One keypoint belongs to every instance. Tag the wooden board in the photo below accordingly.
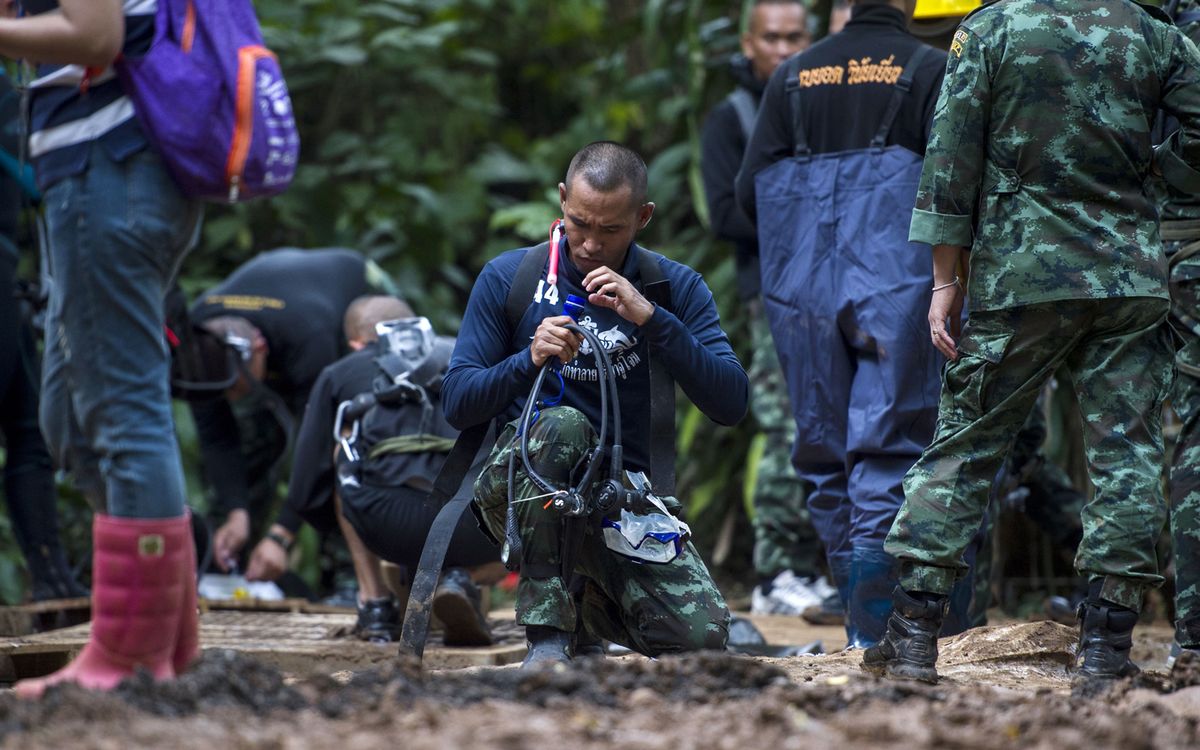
(295, 643)
(36, 617)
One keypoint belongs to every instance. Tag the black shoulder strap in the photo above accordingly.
(791, 89)
(746, 109)
(525, 280)
(420, 597)
(657, 288)
(902, 87)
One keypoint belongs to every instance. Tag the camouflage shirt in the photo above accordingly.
(1040, 156)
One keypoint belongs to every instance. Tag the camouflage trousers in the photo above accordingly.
(1183, 249)
(652, 609)
(1117, 356)
(784, 537)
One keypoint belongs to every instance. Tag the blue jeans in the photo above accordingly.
(118, 233)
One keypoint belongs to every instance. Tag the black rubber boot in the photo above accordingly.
(458, 604)
(547, 646)
(378, 620)
(1105, 639)
(908, 650)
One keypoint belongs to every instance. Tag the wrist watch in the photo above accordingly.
(279, 539)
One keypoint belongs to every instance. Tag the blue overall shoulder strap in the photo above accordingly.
(791, 89)
(902, 87)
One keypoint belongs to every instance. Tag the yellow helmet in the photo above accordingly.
(944, 8)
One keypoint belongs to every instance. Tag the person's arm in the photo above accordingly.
(221, 452)
(721, 146)
(1178, 159)
(225, 469)
(697, 353)
(313, 473)
(81, 32)
(954, 159)
(485, 377)
(770, 142)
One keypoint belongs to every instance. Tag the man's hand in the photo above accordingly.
(607, 288)
(946, 308)
(230, 538)
(552, 340)
(269, 559)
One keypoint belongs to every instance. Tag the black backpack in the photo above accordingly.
(398, 434)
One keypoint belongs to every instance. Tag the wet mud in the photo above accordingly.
(1003, 687)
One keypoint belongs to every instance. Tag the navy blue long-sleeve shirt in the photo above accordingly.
(491, 371)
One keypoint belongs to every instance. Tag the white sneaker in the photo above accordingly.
(823, 587)
(789, 595)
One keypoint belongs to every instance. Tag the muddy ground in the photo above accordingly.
(1003, 687)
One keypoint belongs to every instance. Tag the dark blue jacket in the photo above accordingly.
(491, 371)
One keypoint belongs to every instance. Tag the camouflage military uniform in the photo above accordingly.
(1181, 239)
(784, 537)
(652, 609)
(1039, 163)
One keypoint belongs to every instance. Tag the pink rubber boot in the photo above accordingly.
(138, 583)
(187, 648)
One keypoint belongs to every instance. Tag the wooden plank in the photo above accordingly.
(271, 605)
(35, 617)
(295, 643)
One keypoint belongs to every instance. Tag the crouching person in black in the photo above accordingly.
(383, 404)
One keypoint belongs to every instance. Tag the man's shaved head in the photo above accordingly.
(606, 167)
(364, 312)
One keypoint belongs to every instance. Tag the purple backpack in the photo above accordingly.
(212, 99)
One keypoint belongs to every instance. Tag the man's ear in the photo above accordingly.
(562, 197)
(644, 214)
(747, 49)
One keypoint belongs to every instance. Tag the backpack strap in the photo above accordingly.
(746, 108)
(657, 289)
(791, 89)
(531, 268)
(901, 89)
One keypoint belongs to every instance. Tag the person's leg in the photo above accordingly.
(652, 609)
(117, 234)
(559, 439)
(1185, 464)
(784, 537)
(1004, 357)
(1122, 375)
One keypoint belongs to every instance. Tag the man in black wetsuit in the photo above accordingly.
(281, 312)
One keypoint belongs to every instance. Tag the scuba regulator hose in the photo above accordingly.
(572, 501)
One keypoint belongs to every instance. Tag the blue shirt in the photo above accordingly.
(491, 371)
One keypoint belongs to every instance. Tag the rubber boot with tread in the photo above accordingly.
(908, 649)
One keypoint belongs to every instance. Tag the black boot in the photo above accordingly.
(909, 647)
(547, 645)
(458, 604)
(1105, 639)
(378, 620)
